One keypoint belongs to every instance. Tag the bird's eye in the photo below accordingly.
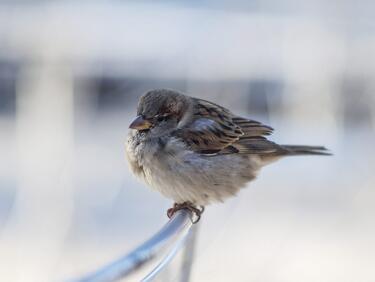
(161, 118)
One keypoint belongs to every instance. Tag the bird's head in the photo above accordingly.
(160, 111)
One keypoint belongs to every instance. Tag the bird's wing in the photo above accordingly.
(254, 141)
(215, 130)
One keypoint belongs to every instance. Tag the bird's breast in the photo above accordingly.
(183, 175)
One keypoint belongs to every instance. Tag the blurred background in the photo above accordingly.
(71, 73)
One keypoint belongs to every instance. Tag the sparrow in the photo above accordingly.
(196, 152)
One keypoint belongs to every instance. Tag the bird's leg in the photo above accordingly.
(197, 210)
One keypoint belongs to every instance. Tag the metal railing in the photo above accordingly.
(162, 247)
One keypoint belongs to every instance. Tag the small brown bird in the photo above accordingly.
(196, 152)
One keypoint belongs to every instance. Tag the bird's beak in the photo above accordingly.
(140, 123)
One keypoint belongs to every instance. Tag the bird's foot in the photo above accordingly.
(196, 210)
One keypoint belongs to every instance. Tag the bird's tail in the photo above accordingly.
(295, 150)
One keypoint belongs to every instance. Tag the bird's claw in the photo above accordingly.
(196, 210)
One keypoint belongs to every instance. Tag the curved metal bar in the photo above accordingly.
(172, 235)
(185, 245)
(166, 260)
(189, 254)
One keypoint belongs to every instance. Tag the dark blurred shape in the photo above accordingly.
(355, 104)
(8, 76)
(113, 93)
(122, 93)
(262, 93)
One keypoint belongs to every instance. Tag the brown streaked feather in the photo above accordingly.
(215, 130)
(260, 146)
(211, 128)
(252, 127)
